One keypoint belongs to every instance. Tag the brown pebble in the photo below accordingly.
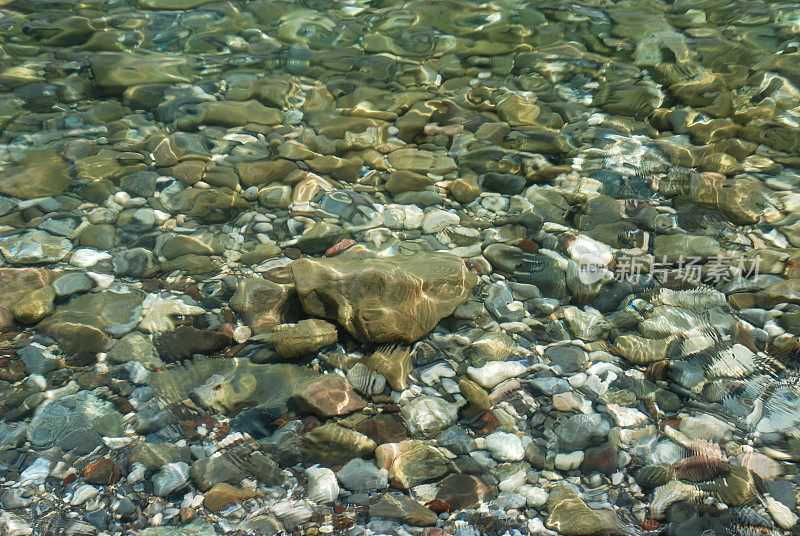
(122, 405)
(102, 472)
(293, 253)
(194, 292)
(9, 334)
(657, 371)
(438, 506)
(226, 329)
(150, 285)
(339, 247)
(223, 495)
(433, 531)
(673, 423)
(13, 371)
(187, 513)
(742, 300)
(6, 319)
(233, 350)
(601, 459)
(527, 245)
(487, 423)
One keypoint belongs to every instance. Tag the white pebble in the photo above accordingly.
(536, 497)
(36, 473)
(569, 461)
(505, 447)
(432, 374)
(85, 257)
(494, 372)
(83, 494)
(438, 220)
(101, 281)
(513, 482)
(322, 486)
(783, 516)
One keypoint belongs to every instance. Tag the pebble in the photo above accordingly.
(569, 461)
(86, 258)
(83, 494)
(535, 497)
(505, 447)
(322, 486)
(494, 372)
(70, 284)
(35, 473)
(170, 478)
(361, 475)
(438, 220)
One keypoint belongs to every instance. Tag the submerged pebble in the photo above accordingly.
(441, 269)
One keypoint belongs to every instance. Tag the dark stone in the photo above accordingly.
(569, 358)
(456, 440)
(102, 236)
(141, 183)
(541, 270)
(602, 459)
(613, 292)
(137, 263)
(256, 421)
(531, 221)
(37, 360)
(98, 518)
(504, 183)
(550, 385)
(579, 431)
(681, 512)
(186, 341)
(72, 283)
(126, 508)
(783, 491)
(319, 238)
(383, 428)
(465, 491)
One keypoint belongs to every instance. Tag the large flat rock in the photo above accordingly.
(389, 299)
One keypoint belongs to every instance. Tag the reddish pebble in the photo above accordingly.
(13, 371)
(293, 253)
(528, 246)
(487, 423)
(433, 531)
(651, 525)
(339, 247)
(438, 506)
(122, 405)
(226, 329)
(102, 472)
(673, 423)
(194, 292)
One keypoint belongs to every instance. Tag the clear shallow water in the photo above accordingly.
(580, 158)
